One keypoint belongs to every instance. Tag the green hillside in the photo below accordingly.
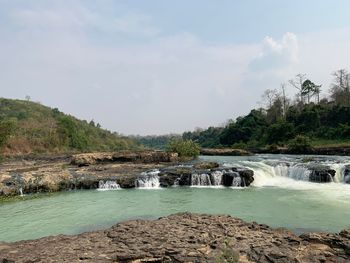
(29, 127)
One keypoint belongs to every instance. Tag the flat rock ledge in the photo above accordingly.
(183, 237)
(224, 152)
(85, 159)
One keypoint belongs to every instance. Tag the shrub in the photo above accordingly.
(227, 255)
(184, 148)
(7, 128)
(300, 144)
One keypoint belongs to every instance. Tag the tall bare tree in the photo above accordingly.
(269, 97)
(297, 83)
(284, 100)
(340, 88)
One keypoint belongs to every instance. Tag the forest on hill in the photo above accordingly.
(29, 127)
(319, 121)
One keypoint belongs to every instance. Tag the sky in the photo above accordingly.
(158, 67)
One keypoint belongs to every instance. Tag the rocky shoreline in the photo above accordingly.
(129, 170)
(183, 237)
(121, 169)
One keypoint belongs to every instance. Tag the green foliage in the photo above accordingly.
(324, 121)
(156, 142)
(300, 144)
(42, 129)
(279, 132)
(7, 128)
(185, 148)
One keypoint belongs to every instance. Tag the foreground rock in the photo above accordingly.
(224, 152)
(183, 238)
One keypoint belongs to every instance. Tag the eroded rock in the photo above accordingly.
(183, 237)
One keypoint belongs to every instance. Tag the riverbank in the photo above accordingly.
(183, 237)
(341, 150)
(26, 175)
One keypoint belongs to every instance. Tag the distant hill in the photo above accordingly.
(29, 127)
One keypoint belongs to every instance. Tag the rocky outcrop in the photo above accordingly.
(205, 174)
(86, 159)
(321, 174)
(37, 176)
(184, 237)
(206, 165)
(17, 177)
(224, 151)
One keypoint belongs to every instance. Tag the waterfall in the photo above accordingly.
(294, 171)
(216, 178)
(200, 179)
(339, 172)
(149, 179)
(108, 185)
(21, 191)
(237, 181)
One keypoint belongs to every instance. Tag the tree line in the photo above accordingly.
(282, 118)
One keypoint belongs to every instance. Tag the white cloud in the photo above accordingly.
(277, 55)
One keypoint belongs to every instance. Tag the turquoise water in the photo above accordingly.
(281, 202)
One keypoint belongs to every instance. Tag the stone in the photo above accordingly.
(166, 240)
(321, 174)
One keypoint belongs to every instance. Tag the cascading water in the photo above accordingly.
(216, 178)
(149, 179)
(289, 172)
(237, 181)
(200, 179)
(108, 185)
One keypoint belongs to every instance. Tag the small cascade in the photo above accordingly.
(339, 172)
(148, 180)
(216, 178)
(237, 181)
(108, 185)
(200, 180)
(21, 191)
(294, 171)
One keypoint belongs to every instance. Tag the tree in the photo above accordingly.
(186, 148)
(298, 84)
(340, 89)
(309, 89)
(285, 100)
(269, 96)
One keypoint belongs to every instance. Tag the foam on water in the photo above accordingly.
(108, 185)
(148, 180)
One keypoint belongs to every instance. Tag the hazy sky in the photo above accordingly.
(153, 67)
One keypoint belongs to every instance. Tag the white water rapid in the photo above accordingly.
(108, 185)
(148, 180)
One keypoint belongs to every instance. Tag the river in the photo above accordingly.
(280, 196)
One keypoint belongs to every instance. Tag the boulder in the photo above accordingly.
(347, 174)
(321, 174)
